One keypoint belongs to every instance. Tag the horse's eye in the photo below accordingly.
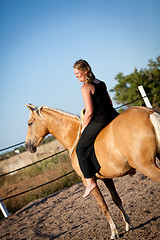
(29, 124)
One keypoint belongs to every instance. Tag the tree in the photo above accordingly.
(126, 90)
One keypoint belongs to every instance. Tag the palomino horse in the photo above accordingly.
(131, 141)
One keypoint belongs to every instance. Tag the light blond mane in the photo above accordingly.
(61, 112)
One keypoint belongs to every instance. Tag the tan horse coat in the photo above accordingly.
(131, 141)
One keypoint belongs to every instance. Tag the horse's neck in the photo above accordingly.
(63, 126)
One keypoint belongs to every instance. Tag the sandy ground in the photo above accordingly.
(66, 215)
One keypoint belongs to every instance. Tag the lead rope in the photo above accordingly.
(77, 139)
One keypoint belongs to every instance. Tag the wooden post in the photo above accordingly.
(4, 209)
(145, 98)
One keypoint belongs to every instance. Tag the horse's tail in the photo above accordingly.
(155, 119)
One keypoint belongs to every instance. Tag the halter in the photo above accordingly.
(77, 139)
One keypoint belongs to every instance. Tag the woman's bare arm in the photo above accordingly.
(88, 103)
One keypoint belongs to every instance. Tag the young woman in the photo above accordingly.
(98, 113)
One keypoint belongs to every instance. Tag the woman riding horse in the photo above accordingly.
(98, 113)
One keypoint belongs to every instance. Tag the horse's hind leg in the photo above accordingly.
(150, 170)
(143, 152)
(116, 199)
(145, 162)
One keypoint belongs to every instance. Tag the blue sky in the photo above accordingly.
(41, 39)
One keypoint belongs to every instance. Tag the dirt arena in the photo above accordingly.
(66, 215)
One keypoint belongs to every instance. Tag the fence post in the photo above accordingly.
(4, 209)
(144, 96)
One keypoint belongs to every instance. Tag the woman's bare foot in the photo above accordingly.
(90, 185)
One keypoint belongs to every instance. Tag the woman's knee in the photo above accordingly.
(80, 149)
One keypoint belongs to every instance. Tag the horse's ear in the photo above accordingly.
(30, 107)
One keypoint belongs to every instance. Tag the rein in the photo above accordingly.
(76, 141)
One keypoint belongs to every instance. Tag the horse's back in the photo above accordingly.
(133, 121)
(128, 134)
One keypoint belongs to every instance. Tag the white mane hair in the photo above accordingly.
(57, 110)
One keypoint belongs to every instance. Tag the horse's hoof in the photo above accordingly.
(115, 236)
(129, 227)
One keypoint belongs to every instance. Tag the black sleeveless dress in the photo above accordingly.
(103, 114)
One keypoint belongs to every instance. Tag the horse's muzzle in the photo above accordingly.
(30, 147)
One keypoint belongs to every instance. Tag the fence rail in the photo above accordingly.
(15, 145)
(18, 194)
(2, 175)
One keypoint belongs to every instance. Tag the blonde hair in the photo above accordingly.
(84, 66)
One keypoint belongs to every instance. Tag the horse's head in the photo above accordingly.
(37, 128)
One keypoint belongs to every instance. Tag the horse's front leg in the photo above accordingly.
(98, 196)
(116, 199)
